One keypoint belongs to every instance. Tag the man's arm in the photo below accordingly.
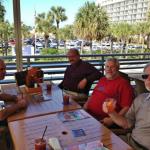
(8, 97)
(120, 120)
(92, 74)
(108, 120)
(4, 113)
(117, 118)
(82, 84)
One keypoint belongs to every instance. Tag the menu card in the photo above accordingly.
(94, 145)
(72, 115)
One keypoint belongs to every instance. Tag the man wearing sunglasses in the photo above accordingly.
(137, 118)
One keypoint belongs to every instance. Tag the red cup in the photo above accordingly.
(66, 99)
(40, 144)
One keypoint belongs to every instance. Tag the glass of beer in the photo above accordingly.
(110, 104)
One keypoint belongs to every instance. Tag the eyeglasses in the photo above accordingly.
(145, 76)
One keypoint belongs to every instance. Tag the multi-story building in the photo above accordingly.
(126, 10)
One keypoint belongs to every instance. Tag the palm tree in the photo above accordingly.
(141, 29)
(66, 33)
(148, 35)
(44, 24)
(2, 12)
(122, 31)
(25, 30)
(91, 23)
(6, 31)
(58, 14)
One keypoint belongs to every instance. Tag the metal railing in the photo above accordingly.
(54, 70)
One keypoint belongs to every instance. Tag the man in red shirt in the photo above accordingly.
(113, 85)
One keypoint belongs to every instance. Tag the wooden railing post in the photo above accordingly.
(102, 64)
(28, 62)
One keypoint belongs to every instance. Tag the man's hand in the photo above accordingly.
(107, 121)
(82, 83)
(109, 105)
(22, 102)
(86, 104)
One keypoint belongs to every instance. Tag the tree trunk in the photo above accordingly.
(46, 40)
(57, 34)
(91, 46)
(82, 47)
(148, 41)
(111, 46)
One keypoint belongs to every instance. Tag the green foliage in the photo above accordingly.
(58, 14)
(49, 51)
(44, 24)
(91, 22)
(121, 30)
(2, 12)
(66, 33)
(25, 30)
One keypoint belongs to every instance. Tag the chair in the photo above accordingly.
(121, 131)
(140, 87)
(20, 77)
(125, 76)
(5, 139)
(3, 143)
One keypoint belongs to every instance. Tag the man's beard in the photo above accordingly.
(109, 76)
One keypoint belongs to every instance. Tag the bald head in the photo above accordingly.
(73, 56)
(2, 69)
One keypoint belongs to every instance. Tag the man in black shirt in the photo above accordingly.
(78, 77)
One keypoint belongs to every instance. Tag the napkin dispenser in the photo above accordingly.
(33, 79)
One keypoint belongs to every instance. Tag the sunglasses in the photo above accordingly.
(145, 76)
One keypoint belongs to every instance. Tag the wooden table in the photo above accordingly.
(10, 89)
(38, 107)
(24, 132)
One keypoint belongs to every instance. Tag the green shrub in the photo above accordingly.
(49, 51)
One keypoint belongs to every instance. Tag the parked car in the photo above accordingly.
(53, 45)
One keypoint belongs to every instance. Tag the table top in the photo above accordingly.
(24, 132)
(37, 106)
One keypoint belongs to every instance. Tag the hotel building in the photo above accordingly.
(126, 10)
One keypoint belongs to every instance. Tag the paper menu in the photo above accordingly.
(94, 145)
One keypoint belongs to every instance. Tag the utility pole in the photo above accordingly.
(34, 31)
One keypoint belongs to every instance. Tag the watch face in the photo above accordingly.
(2, 105)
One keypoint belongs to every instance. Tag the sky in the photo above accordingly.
(28, 8)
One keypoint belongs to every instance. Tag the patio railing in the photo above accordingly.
(54, 70)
